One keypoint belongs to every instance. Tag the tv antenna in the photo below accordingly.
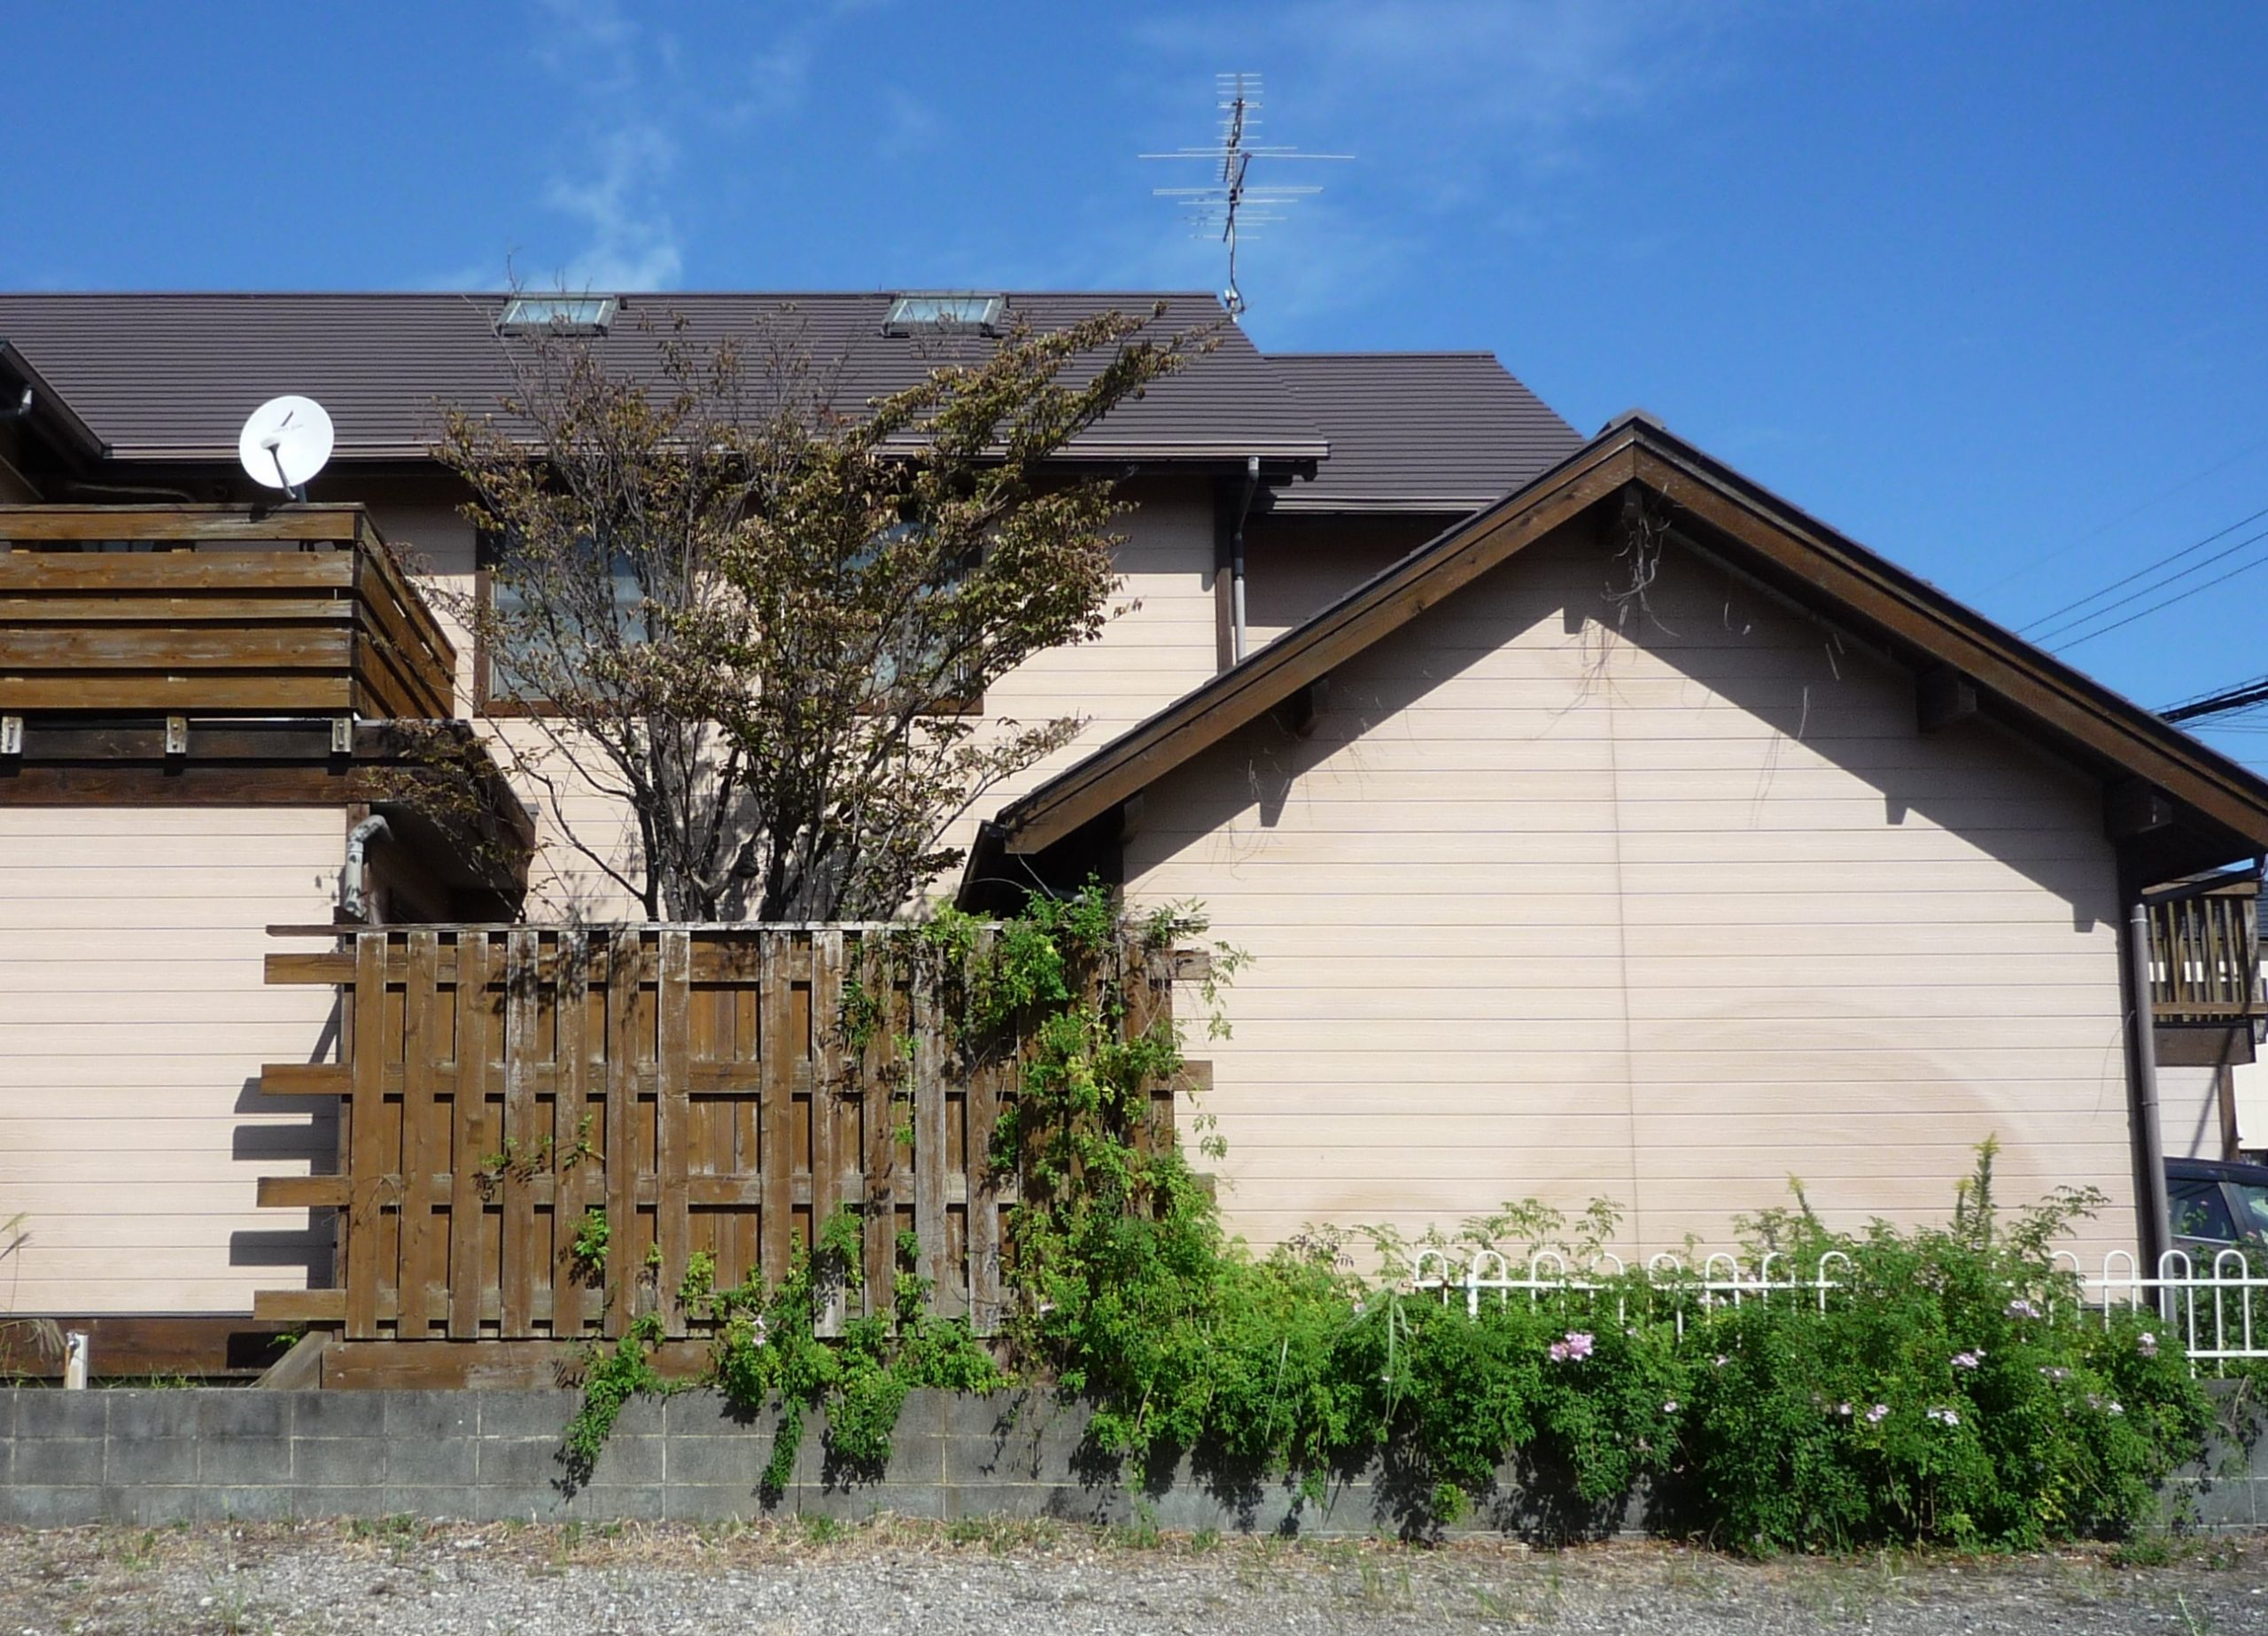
(286, 442)
(1231, 203)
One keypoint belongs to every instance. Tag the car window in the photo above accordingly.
(2251, 1209)
(2199, 1211)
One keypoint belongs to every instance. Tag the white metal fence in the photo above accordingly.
(2219, 1312)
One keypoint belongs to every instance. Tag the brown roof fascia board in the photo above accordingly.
(1246, 691)
(50, 410)
(1810, 562)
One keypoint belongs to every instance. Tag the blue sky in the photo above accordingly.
(1984, 285)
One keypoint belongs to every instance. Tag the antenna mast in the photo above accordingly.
(1230, 205)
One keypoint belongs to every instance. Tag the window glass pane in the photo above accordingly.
(504, 681)
(942, 309)
(2199, 1211)
(594, 312)
(2251, 1210)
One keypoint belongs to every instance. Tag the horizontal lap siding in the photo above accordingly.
(131, 1131)
(1665, 914)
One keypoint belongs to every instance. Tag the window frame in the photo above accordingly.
(896, 322)
(608, 307)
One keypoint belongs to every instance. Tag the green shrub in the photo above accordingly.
(1929, 1397)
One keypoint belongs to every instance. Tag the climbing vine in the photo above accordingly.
(1933, 1395)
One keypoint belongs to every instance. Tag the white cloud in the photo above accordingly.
(633, 243)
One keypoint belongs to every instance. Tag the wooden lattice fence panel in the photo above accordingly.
(692, 1083)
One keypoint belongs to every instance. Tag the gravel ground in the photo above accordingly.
(404, 1577)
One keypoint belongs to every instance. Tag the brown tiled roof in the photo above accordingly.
(1419, 431)
(168, 377)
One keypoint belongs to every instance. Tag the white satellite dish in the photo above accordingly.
(284, 443)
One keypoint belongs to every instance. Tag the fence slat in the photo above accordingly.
(422, 1135)
(930, 1143)
(779, 1094)
(519, 1236)
(673, 1224)
(621, 1097)
(570, 1109)
(366, 1178)
(827, 1102)
(878, 1122)
(469, 1112)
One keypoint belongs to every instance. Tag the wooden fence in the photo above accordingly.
(694, 1083)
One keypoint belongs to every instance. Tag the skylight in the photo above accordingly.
(944, 310)
(576, 314)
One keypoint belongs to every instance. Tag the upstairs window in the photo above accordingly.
(506, 686)
(943, 311)
(565, 314)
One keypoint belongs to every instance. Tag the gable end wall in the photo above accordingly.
(1666, 912)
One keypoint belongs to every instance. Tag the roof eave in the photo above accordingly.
(2033, 689)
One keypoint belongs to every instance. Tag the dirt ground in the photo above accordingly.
(402, 1575)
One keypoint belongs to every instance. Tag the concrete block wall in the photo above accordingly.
(150, 1457)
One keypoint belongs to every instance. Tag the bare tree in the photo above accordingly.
(752, 619)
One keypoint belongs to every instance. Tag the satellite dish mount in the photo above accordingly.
(286, 442)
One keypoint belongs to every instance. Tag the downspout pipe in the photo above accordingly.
(1236, 557)
(354, 879)
(2143, 1052)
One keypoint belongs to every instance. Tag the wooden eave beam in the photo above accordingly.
(1943, 696)
(2132, 808)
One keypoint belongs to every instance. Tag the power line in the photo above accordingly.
(2059, 552)
(2151, 568)
(2193, 590)
(2221, 702)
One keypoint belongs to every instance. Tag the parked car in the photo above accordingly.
(2215, 1206)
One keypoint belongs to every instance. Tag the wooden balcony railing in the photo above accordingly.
(184, 609)
(2205, 956)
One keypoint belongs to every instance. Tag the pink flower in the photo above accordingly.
(1574, 1349)
(1968, 1360)
(1844, 1409)
(1670, 1407)
(2146, 1344)
(1944, 1417)
(2021, 1308)
(1719, 1361)
(1875, 1414)
(2053, 1373)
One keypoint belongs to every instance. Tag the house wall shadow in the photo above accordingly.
(309, 1247)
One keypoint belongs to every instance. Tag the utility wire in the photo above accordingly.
(2117, 624)
(2155, 585)
(2059, 552)
(2220, 701)
(2151, 568)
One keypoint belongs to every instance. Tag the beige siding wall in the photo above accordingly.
(1159, 646)
(1665, 914)
(2189, 1112)
(131, 1129)
(1295, 566)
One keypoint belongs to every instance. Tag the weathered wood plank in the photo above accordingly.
(522, 1047)
(469, 1117)
(673, 1225)
(570, 1128)
(366, 1029)
(622, 963)
(826, 1104)
(423, 1136)
(779, 1149)
(929, 1142)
